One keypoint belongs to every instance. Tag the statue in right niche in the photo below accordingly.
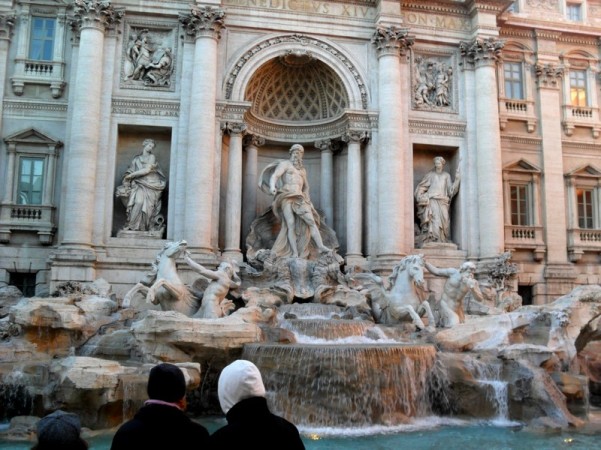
(433, 196)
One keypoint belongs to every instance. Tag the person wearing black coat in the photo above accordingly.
(250, 423)
(162, 422)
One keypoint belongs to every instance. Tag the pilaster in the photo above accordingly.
(251, 143)
(7, 22)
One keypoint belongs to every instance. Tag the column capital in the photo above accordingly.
(481, 50)
(356, 136)
(326, 145)
(203, 22)
(392, 40)
(95, 14)
(253, 140)
(7, 22)
(548, 75)
(234, 127)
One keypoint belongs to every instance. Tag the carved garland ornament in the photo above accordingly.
(305, 41)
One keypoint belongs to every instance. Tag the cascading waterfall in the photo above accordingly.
(489, 375)
(335, 383)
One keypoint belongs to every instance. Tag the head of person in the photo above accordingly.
(296, 152)
(166, 383)
(468, 267)
(227, 268)
(238, 381)
(148, 144)
(59, 430)
(439, 163)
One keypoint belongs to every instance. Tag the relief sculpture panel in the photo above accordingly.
(432, 83)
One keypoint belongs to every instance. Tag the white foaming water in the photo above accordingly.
(304, 339)
(490, 375)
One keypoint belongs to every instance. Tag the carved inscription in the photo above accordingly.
(436, 21)
(309, 6)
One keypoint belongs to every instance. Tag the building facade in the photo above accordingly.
(204, 96)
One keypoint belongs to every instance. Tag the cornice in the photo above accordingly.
(580, 145)
(518, 139)
(26, 105)
(163, 108)
(437, 128)
(433, 7)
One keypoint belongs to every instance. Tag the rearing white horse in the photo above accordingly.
(403, 300)
(164, 286)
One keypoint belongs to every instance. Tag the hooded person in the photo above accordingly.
(59, 431)
(162, 422)
(250, 423)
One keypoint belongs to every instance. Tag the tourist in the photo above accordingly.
(459, 283)
(250, 423)
(161, 423)
(59, 431)
(287, 181)
(433, 195)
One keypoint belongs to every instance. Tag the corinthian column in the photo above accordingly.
(233, 193)
(93, 19)
(249, 195)
(204, 25)
(326, 188)
(392, 44)
(354, 203)
(7, 22)
(483, 54)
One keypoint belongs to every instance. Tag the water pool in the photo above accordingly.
(428, 434)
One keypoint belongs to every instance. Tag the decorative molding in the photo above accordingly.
(433, 7)
(305, 41)
(392, 40)
(482, 50)
(145, 107)
(437, 128)
(524, 140)
(356, 136)
(548, 75)
(232, 111)
(253, 140)
(204, 21)
(33, 106)
(7, 23)
(96, 14)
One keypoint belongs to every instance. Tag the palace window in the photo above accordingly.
(521, 204)
(40, 57)
(584, 211)
(31, 181)
(521, 187)
(516, 99)
(514, 83)
(578, 95)
(28, 204)
(574, 11)
(41, 44)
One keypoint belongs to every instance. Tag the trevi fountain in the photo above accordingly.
(342, 349)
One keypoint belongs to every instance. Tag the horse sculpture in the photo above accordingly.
(162, 285)
(402, 300)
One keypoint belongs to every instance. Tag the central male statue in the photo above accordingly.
(287, 181)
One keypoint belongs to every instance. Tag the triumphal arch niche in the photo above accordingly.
(295, 89)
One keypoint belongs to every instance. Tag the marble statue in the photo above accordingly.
(141, 191)
(286, 180)
(163, 285)
(459, 283)
(139, 56)
(222, 281)
(433, 195)
(158, 72)
(404, 298)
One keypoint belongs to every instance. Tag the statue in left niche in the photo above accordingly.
(141, 190)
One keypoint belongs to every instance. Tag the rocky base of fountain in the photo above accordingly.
(84, 353)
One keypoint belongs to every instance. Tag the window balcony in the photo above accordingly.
(519, 237)
(517, 109)
(31, 218)
(581, 240)
(28, 71)
(581, 116)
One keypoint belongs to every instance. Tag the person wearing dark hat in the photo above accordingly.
(59, 431)
(161, 422)
(250, 423)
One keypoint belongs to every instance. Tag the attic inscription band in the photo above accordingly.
(308, 6)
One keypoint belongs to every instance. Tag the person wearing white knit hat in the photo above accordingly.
(250, 423)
